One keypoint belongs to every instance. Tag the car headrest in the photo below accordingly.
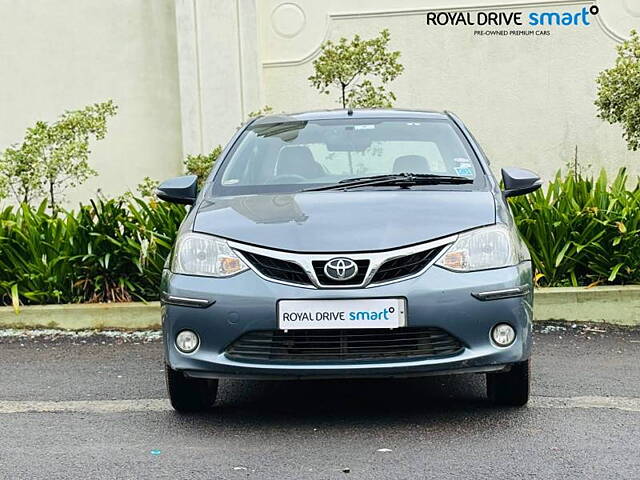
(411, 164)
(298, 160)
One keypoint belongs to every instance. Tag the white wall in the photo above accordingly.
(57, 55)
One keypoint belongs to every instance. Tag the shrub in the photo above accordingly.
(146, 188)
(580, 231)
(108, 250)
(201, 165)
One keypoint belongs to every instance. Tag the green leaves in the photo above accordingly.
(618, 98)
(109, 250)
(581, 231)
(345, 65)
(54, 157)
(614, 272)
(201, 165)
(15, 298)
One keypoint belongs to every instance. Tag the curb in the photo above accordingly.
(612, 305)
(95, 316)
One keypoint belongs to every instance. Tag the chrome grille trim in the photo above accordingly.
(376, 259)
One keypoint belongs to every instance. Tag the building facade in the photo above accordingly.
(185, 73)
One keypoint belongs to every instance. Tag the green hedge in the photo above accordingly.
(580, 231)
(107, 251)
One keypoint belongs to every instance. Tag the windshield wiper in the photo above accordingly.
(404, 180)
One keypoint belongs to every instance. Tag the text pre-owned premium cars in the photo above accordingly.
(348, 243)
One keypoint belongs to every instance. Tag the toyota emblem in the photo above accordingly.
(340, 269)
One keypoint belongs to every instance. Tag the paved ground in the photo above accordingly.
(93, 408)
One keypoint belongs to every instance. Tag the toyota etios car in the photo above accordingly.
(339, 244)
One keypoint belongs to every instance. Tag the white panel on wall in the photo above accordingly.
(220, 74)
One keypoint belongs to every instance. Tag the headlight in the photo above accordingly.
(197, 254)
(488, 247)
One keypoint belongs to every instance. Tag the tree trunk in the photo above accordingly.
(52, 200)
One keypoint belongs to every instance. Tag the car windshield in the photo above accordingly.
(290, 156)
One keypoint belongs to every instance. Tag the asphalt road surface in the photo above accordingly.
(95, 407)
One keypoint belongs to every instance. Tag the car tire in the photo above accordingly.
(510, 388)
(189, 395)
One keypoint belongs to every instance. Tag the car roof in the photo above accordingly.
(355, 113)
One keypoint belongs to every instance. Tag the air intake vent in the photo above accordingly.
(404, 266)
(278, 269)
(344, 344)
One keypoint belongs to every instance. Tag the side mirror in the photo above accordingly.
(179, 190)
(519, 181)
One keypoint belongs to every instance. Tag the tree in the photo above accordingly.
(347, 64)
(55, 157)
(618, 98)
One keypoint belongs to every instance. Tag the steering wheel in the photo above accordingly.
(287, 178)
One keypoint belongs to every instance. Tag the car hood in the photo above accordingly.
(344, 221)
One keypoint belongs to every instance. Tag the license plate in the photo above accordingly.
(357, 313)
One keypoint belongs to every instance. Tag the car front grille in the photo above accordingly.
(344, 345)
(308, 270)
(404, 266)
(278, 269)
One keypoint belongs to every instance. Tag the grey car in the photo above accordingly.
(348, 243)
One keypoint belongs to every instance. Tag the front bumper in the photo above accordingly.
(437, 298)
